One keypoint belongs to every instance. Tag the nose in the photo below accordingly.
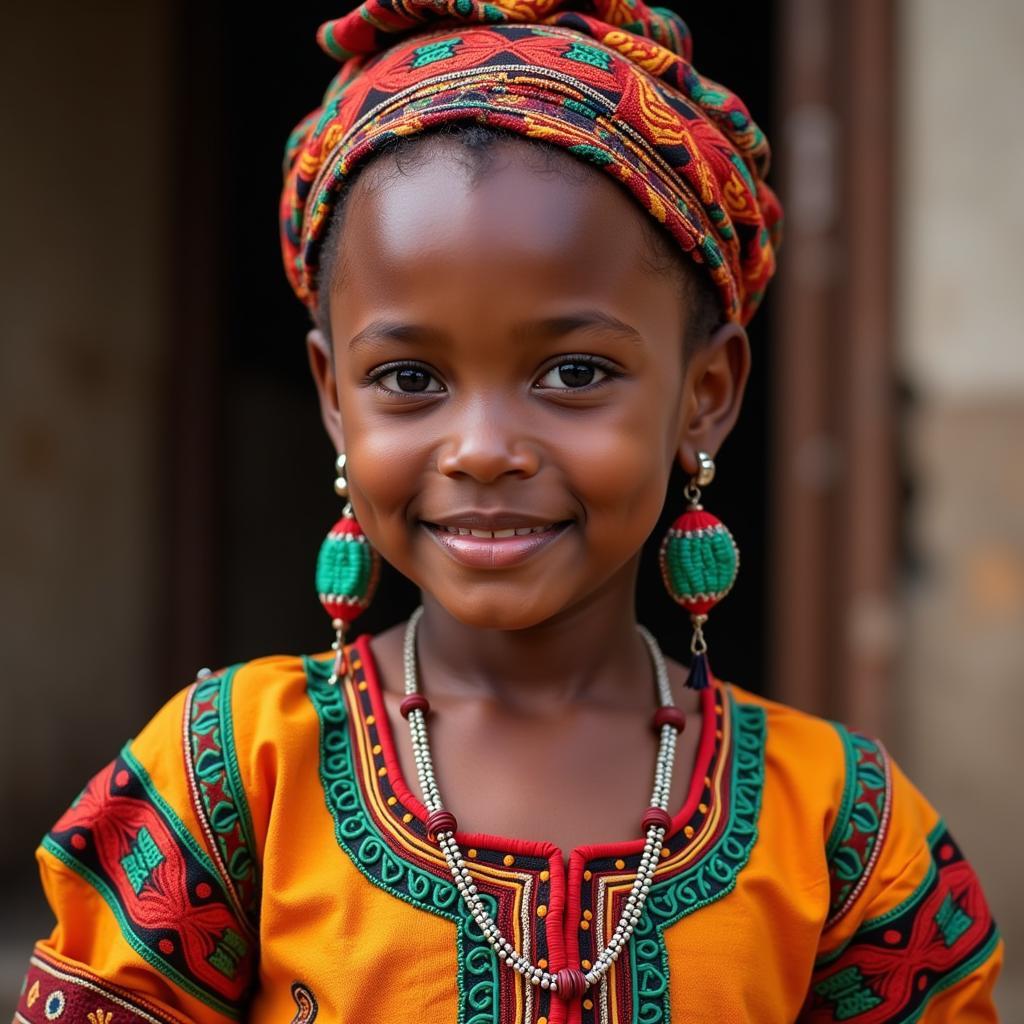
(485, 441)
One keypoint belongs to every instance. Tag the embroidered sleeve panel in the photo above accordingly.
(862, 823)
(54, 989)
(217, 792)
(138, 899)
(935, 948)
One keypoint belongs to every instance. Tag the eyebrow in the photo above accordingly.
(548, 327)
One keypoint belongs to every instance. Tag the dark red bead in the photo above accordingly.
(413, 701)
(671, 715)
(571, 983)
(440, 821)
(656, 816)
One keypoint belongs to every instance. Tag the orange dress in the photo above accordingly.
(255, 854)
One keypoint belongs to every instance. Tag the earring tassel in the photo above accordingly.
(700, 673)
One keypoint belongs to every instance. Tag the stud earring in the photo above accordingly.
(347, 571)
(699, 561)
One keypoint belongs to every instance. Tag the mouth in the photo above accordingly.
(494, 549)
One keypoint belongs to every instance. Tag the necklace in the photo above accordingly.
(569, 982)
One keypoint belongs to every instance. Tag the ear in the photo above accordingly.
(713, 388)
(322, 368)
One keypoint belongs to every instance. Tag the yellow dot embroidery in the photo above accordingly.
(471, 852)
(545, 875)
(542, 911)
(707, 780)
(392, 800)
(376, 748)
(703, 808)
(586, 964)
(588, 915)
(508, 860)
(588, 1004)
(542, 963)
(362, 684)
(588, 875)
(407, 817)
(370, 719)
(664, 851)
(688, 831)
(620, 863)
(542, 1020)
(382, 771)
(585, 925)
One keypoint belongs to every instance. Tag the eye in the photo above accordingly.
(576, 373)
(410, 379)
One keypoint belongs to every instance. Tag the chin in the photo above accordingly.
(497, 610)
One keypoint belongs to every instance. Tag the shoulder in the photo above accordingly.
(812, 760)
(841, 789)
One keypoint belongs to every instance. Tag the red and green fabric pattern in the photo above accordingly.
(611, 81)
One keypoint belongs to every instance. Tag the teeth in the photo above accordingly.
(491, 534)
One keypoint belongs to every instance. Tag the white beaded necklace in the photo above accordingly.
(569, 982)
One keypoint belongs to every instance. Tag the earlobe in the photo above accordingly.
(714, 387)
(321, 366)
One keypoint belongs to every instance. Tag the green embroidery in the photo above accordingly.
(229, 952)
(217, 783)
(477, 973)
(430, 53)
(580, 108)
(858, 830)
(711, 878)
(141, 859)
(103, 884)
(588, 55)
(592, 153)
(952, 920)
(848, 992)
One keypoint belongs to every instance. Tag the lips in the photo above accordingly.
(498, 548)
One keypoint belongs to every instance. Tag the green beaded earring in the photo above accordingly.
(699, 560)
(347, 571)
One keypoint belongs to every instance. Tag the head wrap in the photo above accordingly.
(610, 81)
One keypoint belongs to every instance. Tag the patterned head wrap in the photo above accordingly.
(612, 84)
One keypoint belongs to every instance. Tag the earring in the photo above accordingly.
(699, 560)
(347, 571)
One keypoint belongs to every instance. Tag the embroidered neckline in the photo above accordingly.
(556, 917)
(699, 803)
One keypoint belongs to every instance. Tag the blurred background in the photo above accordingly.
(167, 482)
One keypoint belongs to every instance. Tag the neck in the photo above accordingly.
(589, 653)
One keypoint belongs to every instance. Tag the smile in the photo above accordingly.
(494, 549)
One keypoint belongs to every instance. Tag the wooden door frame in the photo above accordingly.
(835, 507)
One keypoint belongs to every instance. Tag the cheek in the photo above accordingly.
(385, 471)
(619, 468)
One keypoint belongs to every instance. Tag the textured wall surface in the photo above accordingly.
(961, 701)
(84, 194)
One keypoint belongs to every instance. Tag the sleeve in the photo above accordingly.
(152, 879)
(909, 935)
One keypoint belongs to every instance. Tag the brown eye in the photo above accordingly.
(575, 374)
(409, 380)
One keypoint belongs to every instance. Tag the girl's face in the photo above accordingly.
(505, 348)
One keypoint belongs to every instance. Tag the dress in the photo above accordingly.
(254, 854)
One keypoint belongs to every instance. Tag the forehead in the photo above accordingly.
(524, 227)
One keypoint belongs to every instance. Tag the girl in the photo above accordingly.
(530, 237)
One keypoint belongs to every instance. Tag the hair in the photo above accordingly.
(476, 143)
